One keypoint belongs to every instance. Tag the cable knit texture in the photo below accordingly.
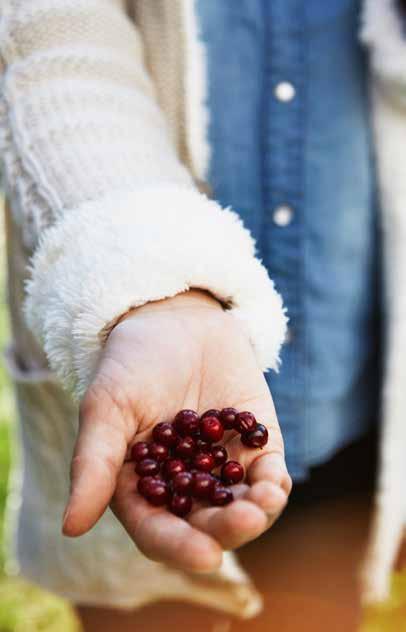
(95, 132)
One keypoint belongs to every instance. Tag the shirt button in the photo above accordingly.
(283, 215)
(285, 91)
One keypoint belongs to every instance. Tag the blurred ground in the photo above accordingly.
(306, 567)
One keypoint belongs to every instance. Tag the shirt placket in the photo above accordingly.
(283, 245)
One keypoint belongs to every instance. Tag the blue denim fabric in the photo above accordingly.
(312, 153)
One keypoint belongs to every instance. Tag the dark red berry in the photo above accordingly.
(227, 418)
(171, 467)
(203, 461)
(182, 483)
(156, 492)
(256, 438)
(185, 448)
(211, 429)
(147, 467)
(244, 422)
(139, 451)
(165, 434)
(203, 484)
(203, 446)
(232, 472)
(159, 494)
(220, 455)
(221, 496)
(144, 485)
(213, 412)
(187, 423)
(158, 451)
(180, 505)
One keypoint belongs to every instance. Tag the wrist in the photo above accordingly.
(193, 298)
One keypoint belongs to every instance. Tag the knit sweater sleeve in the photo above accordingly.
(384, 34)
(111, 214)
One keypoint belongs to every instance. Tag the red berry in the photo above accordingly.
(158, 452)
(256, 438)
(220, 455)
(156, 492)
(203, 484)
(227, 418)
(165, 434)
(182, 483)
(203, 446)
(147, 467)
(139, 451)
(244, 422)
(232, 472)
(221, 496)
(171, 467)
(180, 505)
(144, 484)
(159, 494)
(187, 423)
(203, 461)
(213, 412)
(211, 429)
(185, 448)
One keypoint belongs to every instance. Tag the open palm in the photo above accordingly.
(184, 352)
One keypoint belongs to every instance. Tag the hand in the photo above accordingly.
(182, 352)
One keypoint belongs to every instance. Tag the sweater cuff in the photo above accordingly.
(130, 248)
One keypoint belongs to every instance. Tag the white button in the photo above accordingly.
(283, 215)
(285, 91)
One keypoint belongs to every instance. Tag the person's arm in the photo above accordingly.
(91, 170)
(116, 224)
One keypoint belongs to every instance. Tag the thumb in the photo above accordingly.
(104, 433)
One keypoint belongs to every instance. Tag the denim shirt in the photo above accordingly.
(291, 152)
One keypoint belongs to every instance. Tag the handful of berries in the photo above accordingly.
(176, 467)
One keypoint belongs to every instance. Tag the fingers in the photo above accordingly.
(233, 525)
(255, 509)
(270, 467)
(267, 463)
(266, 472)
(160, 535)
(269, 497)
(98, 456)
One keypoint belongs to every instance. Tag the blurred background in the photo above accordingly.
(292, 566)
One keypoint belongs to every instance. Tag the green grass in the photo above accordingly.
(23, 607)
